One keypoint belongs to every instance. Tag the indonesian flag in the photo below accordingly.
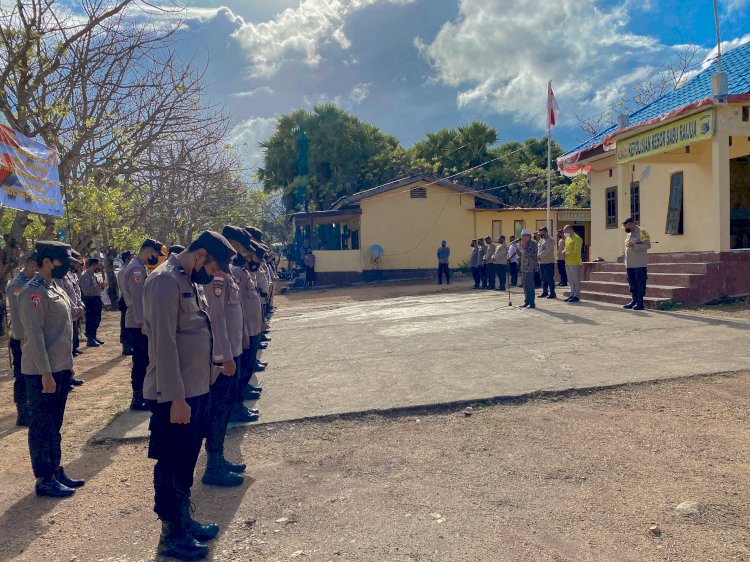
(552, 108)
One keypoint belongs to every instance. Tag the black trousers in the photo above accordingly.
(76, 334)
(537, 279)
(547, 271)
(483, 275)
(501, 270)
(637, 277)
(562, 271)
(491, 275)
(93, 315)
(529, 291)
(123, 309)
(47, 412)
(19, 382)
(223, 395)
(444, 270)
(139, 343)
(247, 365)
(513, 273)
(176, 448)
(475, 275)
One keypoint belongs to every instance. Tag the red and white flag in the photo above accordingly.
(552, 108)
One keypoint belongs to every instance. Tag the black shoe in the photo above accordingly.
(552, 296)
(92, 343)
(567, 299)
(258, 367)
(53, 489)
(532, 306)
(66, 480)
(264, 338)
(241, 414)
(638, 306)
(257, 389)
(574, 299)
(177, 542)
(542, 296)
(23, 419)
(220, 476)
(202, 532)
(76, 382)
(237, 468)
(77, 352)
(263, 346)
(248, 394)
(630, 305)
(525, 305)
(127, 350)
(475, 287)
(138, 403)
(97, 340)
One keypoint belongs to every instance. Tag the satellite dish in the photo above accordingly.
(376, 250)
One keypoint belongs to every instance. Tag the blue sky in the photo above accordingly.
(411, 66)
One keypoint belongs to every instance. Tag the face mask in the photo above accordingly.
(201, 277)
(628, 229)
(239, 261)
(153, 260)
(59, 271)
(252, 266)
(567, 235)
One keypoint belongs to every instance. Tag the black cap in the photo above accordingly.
(628, 220)
(125, 255)
(257, 250)
(238, 235)
(154, 244)
(52, 249)
(216, 245)
(92, 261)
(176, 249)
(256, 233)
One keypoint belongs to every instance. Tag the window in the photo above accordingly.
(497, 229)
(418, 193)
(746, 113)
(518, 226)
(611, 200)
(540, 224)
(635, 201)
(676, 205)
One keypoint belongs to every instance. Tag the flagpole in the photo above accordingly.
(549, 163)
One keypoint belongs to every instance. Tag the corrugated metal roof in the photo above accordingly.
(735, 63)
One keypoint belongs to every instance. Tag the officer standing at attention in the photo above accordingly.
(177, 382)
(15, 333)
(47, 366)
(637, 243)
(132, 291)
(474, 263)
(126, 257)
(443, 256)
(225, 313)
(72, 280)
(91, 289)
(546, 249)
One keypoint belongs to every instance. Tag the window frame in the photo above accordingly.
(635, 210)
(676, 222)
(610, 220)
(499, 229)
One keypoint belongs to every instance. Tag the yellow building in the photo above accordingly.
(680, 167)
(408, 219)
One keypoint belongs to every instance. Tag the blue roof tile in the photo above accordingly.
(736, 65)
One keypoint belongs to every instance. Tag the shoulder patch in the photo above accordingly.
(137, 275)
(645, 235)
(218, 285)
(36, 299)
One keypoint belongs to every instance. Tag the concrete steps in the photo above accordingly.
(651, 303)
(663, 279)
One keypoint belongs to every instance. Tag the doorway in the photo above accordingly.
(739, 214)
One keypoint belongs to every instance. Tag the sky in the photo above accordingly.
(412, 66)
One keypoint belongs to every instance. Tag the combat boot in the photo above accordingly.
(24, 415)
(237, 468)
(177, 542)
(218, 475)
(66, 480)
(242, 414)
(630, 305)
(138, 403)
(91, 342)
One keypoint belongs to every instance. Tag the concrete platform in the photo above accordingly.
(440, 348)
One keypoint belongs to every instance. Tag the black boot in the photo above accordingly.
(241, 414)
(201, 531)
(217, 474)
(239, 468)
(177, 542)
(258, 367)
(631, 304)
(249, 394)
(91, 342)
(24, 415)
(53, 489)
(66, 480)
(127, 349)
(638, 305)
(138, 403)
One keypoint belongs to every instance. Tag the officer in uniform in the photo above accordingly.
(72, 281)
(125, 258)
(91, 289)
(546, 249)
(133, 279)
(15, 285)
(637, 244)
(47, 365)
(225, 312)
(177, 382)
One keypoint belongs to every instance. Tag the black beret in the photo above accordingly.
(628, 220)
(237, 234)
(92, 261)
(176, 249)
(125, 255)
(216, 245)
(52, 249)
(154, 244)
(256, 233)
(257, 250)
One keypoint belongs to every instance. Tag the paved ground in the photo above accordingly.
(470, 345)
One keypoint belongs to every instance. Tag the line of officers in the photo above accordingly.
(196, 324)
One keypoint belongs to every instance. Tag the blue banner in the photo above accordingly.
(29, 175)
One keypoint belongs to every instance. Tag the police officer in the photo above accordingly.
(133, 279)
(91, 290)
(47, 365)
(126, 257)
(72, 281)
(225, 312)
(637, 244)
(178, 381)
(15, 285)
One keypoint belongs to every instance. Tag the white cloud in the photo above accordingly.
(297, 34)
(262, 90)
(246, 136)
(733, 6)
(501, 55)
(359, 93)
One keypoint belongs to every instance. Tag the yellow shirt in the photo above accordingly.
(573, 246)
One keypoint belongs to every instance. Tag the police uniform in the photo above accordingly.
(474, 263)
(179, 340)
(121, 305)
(546, 249)
(636, 262)
(70, 286)
(45, 312)
(13, 290)
(252, 317)
(133, 279)
(91, 291)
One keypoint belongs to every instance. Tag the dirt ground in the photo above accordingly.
(580, 477)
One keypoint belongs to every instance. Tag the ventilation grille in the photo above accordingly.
(418, 193)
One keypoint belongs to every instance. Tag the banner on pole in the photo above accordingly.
(29, 175)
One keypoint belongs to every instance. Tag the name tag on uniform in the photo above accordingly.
(187, 295)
